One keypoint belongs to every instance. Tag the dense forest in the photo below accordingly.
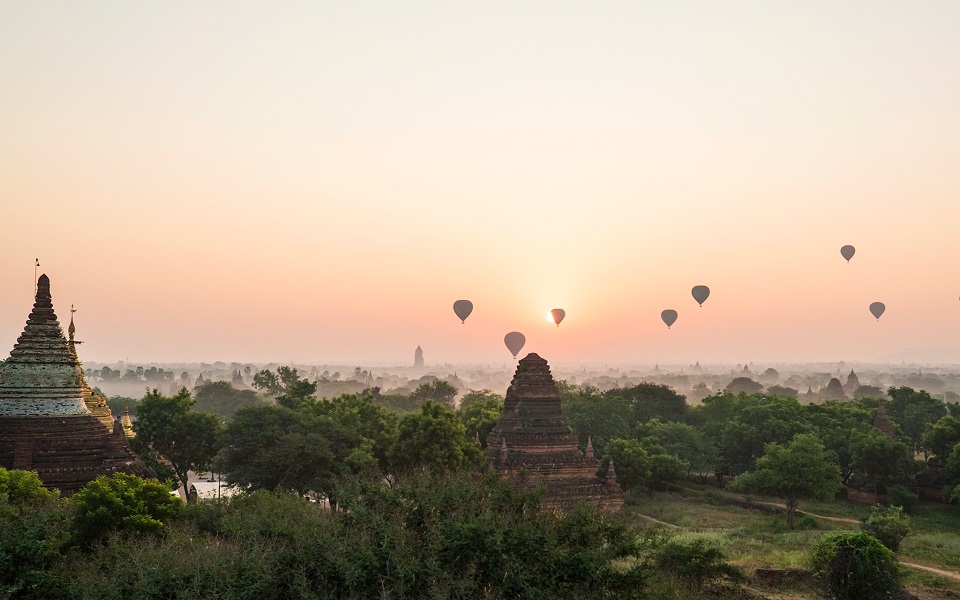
(367, 494)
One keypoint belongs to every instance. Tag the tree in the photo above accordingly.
(939, 438)
(868, 391)
(801, 469)
(479, 396)
(280, 448)
(834, 421)
(480, 417)
(122, 502)
(601, 417)
(683, 441)
(438, 391)
(913, 411)
(186, 438)
(782, 391)
(630, 460)
(19, 487)
(286, 380)
(433, 438)
(652, 401)
(877, 456)
(743, 385)
(222, 399)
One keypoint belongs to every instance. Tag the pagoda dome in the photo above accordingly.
(42, 377)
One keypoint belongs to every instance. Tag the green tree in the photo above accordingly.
(19, 487)
(186, 438)
(122, 502)
(834, 421)
(438, 391)
(480, 417)
(652, 401)
(877, 456)
(683, 441)
(601, 417)
(34, 527)
(278, 448)
(222, 399)
(479, 397)
(800, 469)
(913, 411)
(940, 438)
(630, 460)
(433, 438)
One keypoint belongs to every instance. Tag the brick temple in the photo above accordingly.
(45, 423)
(533, 439)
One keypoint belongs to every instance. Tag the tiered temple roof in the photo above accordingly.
(532, 439)
(95, 403)
(45, 424)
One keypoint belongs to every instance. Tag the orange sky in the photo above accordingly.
(296, 182)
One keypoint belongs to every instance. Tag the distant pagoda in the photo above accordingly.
(45, 424)
(418, 357)
(532, 439)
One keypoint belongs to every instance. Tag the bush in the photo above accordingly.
(855, 566)
(887, 524)
(693, 562)
(901, 496)
(122, 503)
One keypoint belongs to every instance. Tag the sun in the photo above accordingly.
(549, 317)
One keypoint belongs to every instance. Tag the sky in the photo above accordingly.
(319, 182)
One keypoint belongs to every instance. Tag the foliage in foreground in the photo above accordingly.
(855, 566)
(888, 524)
(433, 535)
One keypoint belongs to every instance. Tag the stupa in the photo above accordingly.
(532, 441)
(95, 403)
(45, 424)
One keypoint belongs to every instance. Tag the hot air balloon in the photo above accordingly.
(669, 317)
(876, 309)
(700, 293)
(847, 252)
(463, 308)
(558, 314)
(514, 341)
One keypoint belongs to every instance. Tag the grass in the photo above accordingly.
(753, 538)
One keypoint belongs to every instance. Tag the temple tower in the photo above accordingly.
(45, 424)
(418, 357)
(533, 440)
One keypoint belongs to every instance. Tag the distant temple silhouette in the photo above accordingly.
(418, 357)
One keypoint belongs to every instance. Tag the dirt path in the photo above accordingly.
(948, 574)
(803, 512)
(741, 500)
(657, 521)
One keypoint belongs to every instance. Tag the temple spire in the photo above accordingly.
(72, 329)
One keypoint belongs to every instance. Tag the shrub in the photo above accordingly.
(855, 566)
(901, 496)
(122, 503)
(19, 487)
(887, 524)
(693, 562)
